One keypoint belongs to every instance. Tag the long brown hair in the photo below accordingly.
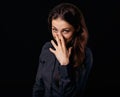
(72, 14)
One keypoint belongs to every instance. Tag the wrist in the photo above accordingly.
(65, 63)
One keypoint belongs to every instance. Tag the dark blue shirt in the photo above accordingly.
(54, 80)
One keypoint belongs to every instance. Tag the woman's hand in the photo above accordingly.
(61, 52)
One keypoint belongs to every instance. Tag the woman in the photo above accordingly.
(66, 61)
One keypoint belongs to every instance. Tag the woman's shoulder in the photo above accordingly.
(45, 52)
(46, 45)
(88, 51)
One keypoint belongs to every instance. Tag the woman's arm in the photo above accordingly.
(38, 88)
(67, 83)
(88, 66)
(86, 71)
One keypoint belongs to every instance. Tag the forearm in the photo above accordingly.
(67, 84)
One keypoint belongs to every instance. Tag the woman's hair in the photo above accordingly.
(72, 14)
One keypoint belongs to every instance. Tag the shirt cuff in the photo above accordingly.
(64, 71)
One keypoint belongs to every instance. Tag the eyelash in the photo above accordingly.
(64, 31)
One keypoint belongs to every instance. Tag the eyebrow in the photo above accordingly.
(62, 28)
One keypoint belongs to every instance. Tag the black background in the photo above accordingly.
(24, 31)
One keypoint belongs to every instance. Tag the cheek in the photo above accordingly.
(53, 34)
(68, 36)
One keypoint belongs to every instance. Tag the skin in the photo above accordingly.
(62, 32)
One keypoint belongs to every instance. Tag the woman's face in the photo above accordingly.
(61, 27)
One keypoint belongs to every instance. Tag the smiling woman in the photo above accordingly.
(62, 28)
(62, 32)
(66, 61)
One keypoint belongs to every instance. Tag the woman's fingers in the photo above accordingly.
(58, 40)
(53, 43)
(53, 51)
(62, 41)
(60, 51)
(55, 46)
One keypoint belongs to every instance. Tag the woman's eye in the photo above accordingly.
(66, 31)
(54, 30)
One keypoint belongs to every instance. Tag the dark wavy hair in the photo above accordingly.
(72, 14)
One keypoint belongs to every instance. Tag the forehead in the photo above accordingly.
(60, 23)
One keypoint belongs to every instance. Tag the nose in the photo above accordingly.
(59, 33)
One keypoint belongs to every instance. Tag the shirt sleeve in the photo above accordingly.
(88, 63)
(88, 66)
(67, 84)
(38, 87)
